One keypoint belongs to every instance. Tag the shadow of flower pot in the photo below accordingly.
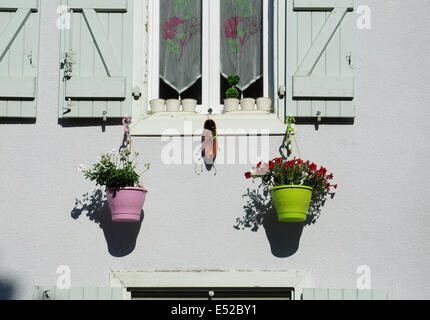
(284, 238)
(7, 290)
(120, 237)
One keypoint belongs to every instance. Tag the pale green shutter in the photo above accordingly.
(97, 59)
(79, 293)
(19, 57)
(319, 61)
(343, 294)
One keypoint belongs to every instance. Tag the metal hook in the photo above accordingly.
(319, 117)
(349, 60)
(30, 58)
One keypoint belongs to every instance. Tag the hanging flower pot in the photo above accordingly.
(292, 202)
(293, 183)
(126, 204)
(119, 174)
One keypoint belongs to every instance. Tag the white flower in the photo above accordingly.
(81, 167)
(262, 170)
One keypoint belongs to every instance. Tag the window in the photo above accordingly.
(195, 44)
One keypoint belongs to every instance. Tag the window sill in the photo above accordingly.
(191, 124)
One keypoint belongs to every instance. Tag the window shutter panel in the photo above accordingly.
(96, 66)
(319, 76)
(79, 293)
(343, 294)
(19, 57)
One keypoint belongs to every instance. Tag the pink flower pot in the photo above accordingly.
(126, 203)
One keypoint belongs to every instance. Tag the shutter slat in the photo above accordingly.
(323, 87)
(101, 5)
(322, 5)
(304, 41)
(18, 87)
(347, 108)
(78, 293)
(342, 294)
(349, 294)
(318, 21)
(335, 294)
(19, 4)
(85, 88)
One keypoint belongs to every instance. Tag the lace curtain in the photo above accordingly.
(241, 40)
(180, 43)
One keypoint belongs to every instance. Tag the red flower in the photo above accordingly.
(322, 171)
(291, 163)
(330, 177)
(259, 164)
(248, 175)
(335, 186)
(170, 28)
(271, 164)
(231, 27)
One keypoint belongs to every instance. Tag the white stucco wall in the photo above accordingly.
(379, 217)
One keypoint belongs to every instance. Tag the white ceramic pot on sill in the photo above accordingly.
(231, 104)
(247, 104)
(157, 105)
(173, 105)
(264, 104)
(189, 105)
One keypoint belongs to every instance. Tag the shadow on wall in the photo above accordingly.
(120, 237)
(7, 290)
(284, 238)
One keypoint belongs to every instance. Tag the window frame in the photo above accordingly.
(211, 72)
(146, 124)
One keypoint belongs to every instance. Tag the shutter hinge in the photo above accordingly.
(67, 64)
(30, 58)
(349, 60)
(68, 107)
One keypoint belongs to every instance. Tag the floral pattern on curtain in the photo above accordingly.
(241, 40)
(180, 43)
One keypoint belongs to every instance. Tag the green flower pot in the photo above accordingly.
(292, 202)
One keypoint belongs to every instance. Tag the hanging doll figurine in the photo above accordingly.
(209, 143)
